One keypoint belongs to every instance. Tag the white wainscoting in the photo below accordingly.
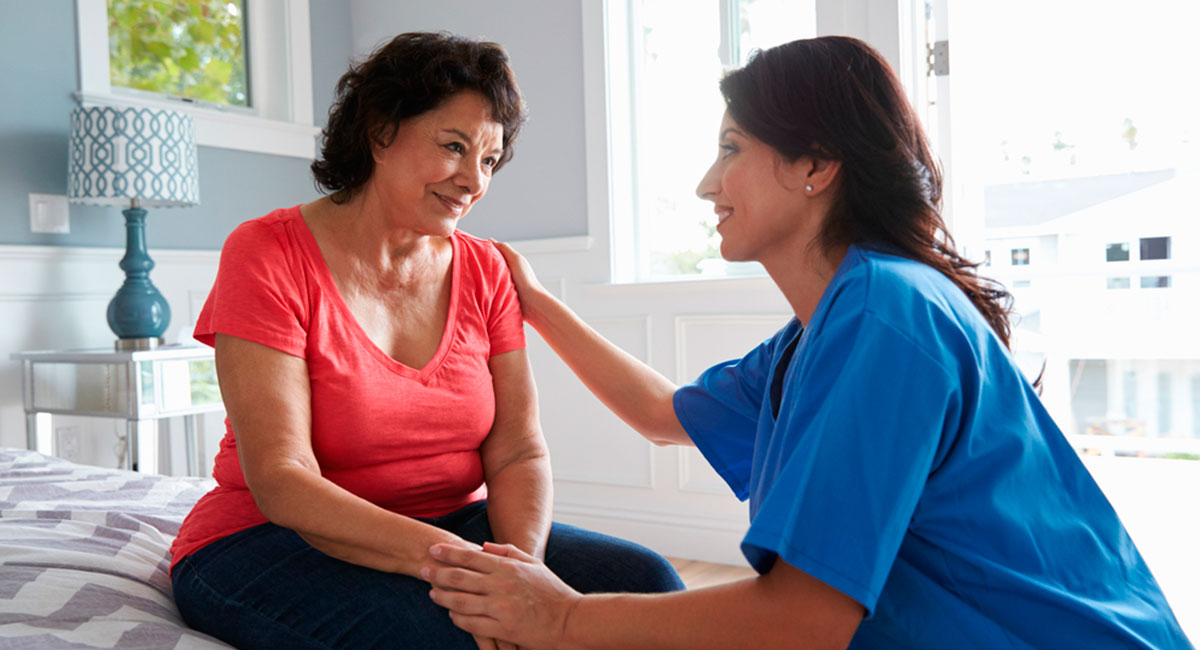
(57, 298)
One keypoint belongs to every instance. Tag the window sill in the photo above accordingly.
(688, 284)
(226, 130)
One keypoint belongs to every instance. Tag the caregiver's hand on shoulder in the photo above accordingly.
(528, 287)
(501, 593)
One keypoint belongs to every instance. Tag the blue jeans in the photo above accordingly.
(265, 587)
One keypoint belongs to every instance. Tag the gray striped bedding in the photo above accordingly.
(84, 555)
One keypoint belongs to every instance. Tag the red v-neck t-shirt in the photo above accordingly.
(403, 438)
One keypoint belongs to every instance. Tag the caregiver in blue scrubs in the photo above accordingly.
(907, 487)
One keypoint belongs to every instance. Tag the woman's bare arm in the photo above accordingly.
(516, 463)
(637, 393)
(266, 395)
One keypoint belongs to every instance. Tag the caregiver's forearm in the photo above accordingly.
(778, 610)
(637, 393)
(520, 498)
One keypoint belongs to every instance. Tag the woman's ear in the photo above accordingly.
(380, 137)
(820, 174)
(810, 175)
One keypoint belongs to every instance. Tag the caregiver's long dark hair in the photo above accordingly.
(835, 97)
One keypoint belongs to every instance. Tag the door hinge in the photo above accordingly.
(939, 58)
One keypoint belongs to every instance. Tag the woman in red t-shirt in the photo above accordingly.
(371, 358)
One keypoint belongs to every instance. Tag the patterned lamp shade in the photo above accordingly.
(119, 154)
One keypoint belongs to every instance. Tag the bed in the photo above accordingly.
(84, 555)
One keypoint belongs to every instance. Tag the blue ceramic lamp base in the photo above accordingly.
(138, 314)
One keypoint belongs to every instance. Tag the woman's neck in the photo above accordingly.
(803, 275)
(364, 232)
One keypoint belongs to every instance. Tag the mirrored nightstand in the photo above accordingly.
(138, 386)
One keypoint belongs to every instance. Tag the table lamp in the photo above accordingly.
(140, 158)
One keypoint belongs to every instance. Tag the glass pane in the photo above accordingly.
(184, 48)
(677, 112)
(1081, 157)
(146, 374)
(204, 382)
(1156, 248)
(763, 24)
(1117, 253)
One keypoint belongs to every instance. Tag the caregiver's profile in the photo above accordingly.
(371, 358)
(907, 488)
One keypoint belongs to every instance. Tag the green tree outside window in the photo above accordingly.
(187, 48)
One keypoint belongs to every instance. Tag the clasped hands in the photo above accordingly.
(502, 593)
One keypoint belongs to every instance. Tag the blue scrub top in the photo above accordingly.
(893, 450)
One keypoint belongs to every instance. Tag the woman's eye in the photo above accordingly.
(489, 162)
(456, 147)
(727, 150)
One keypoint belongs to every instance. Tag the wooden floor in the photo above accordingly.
(697, 574)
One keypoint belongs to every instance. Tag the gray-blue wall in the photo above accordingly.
(540, 194)
(37, 77)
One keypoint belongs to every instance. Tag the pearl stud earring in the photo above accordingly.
(808, 188)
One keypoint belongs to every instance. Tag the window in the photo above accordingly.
(278, 76)
(192, 50)
(1195, 406)
(675, 112)
(1155, 248)
(1048, 153)
(1117, 253)
(1164, 403)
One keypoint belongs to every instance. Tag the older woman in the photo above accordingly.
(371, 358)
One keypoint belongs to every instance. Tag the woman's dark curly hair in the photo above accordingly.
(836, 98)
(411, 74)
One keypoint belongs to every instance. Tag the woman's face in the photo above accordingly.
(439, 164)
(758, 196)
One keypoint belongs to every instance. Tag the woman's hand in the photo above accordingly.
(501, 593)
(529, 290)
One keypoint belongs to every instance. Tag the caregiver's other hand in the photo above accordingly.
(501, 593)
(485, 643)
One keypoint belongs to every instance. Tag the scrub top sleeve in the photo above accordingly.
(863, 435)
(720, 411)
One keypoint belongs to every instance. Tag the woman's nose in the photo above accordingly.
(471, 177)
(708, 186)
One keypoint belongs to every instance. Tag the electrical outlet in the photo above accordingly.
(67, 441)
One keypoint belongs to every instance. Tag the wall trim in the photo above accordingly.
(23, 252)
(552, 245)
(55, 297)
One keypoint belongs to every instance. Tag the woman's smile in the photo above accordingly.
(454, 205)
(723, 214)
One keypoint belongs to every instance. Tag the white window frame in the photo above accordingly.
(281, 119)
